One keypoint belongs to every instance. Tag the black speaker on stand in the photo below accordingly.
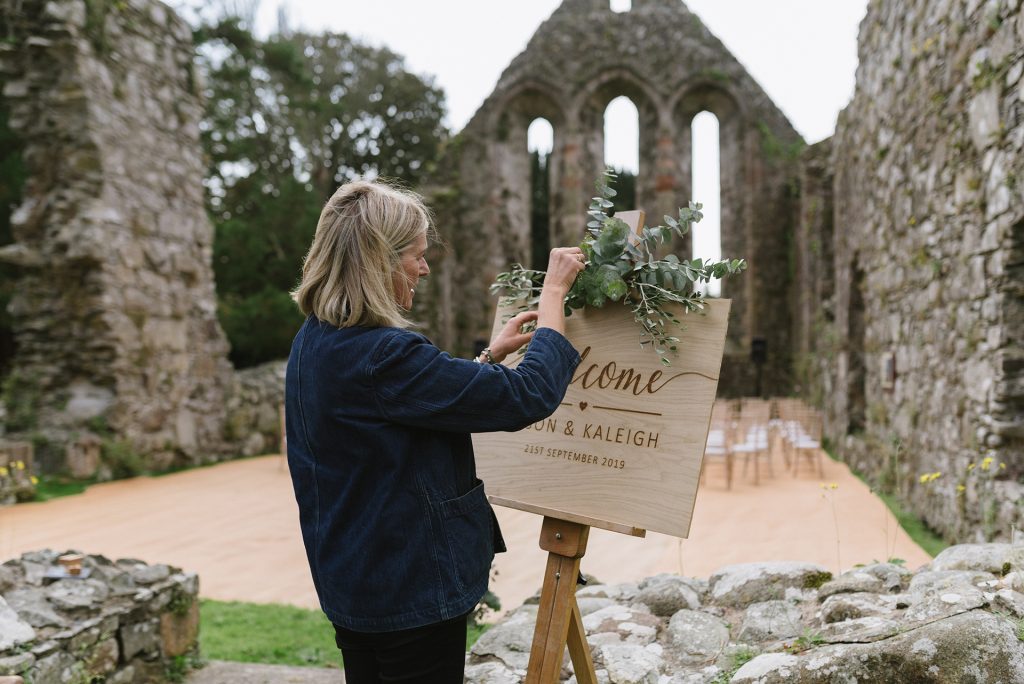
(758, 355)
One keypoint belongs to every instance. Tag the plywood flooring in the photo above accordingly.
(236, 524)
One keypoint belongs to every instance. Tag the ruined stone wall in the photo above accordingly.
(124, 621)
(115, 314)
(665, 60)
(929, 258)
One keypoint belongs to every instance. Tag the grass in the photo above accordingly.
(915, 527)
(475, 631)
(271, 634)
(275, 634)
(55, 486)
(50, 487)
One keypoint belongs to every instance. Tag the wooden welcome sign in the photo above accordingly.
(623, 451)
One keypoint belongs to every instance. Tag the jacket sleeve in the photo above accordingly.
(415, 383)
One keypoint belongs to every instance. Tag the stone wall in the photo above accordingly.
(955, 620)
(921, 333)
(254, 409)
(668, 63)
(120, 622)
(17, 483)
(115, 311)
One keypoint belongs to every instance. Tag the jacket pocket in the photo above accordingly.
(470, 535)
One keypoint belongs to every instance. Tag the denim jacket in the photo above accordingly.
(396, 525)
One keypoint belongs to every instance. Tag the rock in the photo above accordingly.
(983, 115)
(629, 625)
(150, 574)
(16, 664)
(490, 673)
(1011, 601)
(599, 672)
(58, 667)
(946, 580)
(34, 609)
(510, 640)
(850, 583)
(842, 607)
(766, 665)
(631, 664)
(69, 594)
(179, 630)
(591, 604)
(626, 591)
(104, 657)
(698, 638)
(942, 603)
(860, 630)
(746, 583)
(970, 647)
(35, 572)
(140, 638)
(13, 630)
(895, 578)
(770, 620)
(8, 578)
(666, 594)
(997, 559)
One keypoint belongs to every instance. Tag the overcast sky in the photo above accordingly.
(802, 52)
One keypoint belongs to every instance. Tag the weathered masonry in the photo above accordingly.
(661, 56)
(115, 311)
(911, 263)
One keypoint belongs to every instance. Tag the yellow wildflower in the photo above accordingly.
(19, 465)
(970, 466)
(934, 476)
(960, 488)
(923, 478)
(1002, 466)
(34, 480)
(3, 471)
(986, 463)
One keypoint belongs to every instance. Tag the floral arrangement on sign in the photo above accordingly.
(625, 268)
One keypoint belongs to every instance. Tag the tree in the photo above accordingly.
(288, 119)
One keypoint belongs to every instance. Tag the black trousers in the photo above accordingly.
(433, 654)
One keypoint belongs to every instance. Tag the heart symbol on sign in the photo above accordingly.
(583, 406)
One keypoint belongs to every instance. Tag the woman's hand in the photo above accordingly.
(510, 337)
(564, 264)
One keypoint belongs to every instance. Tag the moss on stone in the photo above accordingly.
(815, 580)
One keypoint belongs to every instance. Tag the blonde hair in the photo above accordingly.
(347, 273)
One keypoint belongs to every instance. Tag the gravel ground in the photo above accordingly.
(221, 672)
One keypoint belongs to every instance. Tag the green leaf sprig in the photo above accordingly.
(624, 268)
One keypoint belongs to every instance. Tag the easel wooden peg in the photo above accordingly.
(558, 617)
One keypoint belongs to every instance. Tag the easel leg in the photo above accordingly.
(579, 651)
(558, 617)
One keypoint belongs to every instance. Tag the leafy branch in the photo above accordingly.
(622, 267)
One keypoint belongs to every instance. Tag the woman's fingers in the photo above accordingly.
(564, 264)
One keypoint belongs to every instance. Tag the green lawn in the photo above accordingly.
(915, 528)
(274, 634)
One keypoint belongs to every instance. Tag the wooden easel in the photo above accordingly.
(559, 623)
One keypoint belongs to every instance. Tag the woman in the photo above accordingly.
(397, 528)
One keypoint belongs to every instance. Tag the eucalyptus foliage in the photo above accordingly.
(626, 269)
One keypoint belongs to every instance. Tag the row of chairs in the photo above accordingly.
(755, 431)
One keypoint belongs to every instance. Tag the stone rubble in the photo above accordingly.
(125, 623)
(775, 623)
